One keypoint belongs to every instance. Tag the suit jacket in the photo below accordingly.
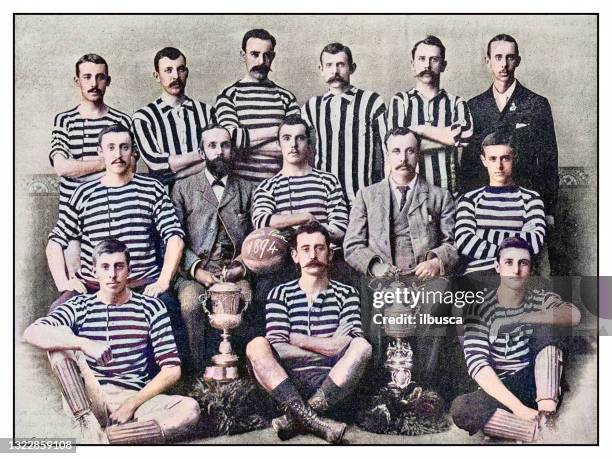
(529, 118)
(197, 208)
(431, 216)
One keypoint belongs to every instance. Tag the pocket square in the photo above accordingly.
(521, 125)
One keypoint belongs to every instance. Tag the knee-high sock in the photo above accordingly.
(135, 433)
(67, 372)
(507, 425)
(547, 373)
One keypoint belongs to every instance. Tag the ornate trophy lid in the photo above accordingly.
(224, 287)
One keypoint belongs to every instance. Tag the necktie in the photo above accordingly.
(404, 191)
(218, 182)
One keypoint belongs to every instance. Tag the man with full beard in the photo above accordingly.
(167, 129)
(214, 208)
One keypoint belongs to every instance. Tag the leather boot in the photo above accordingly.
(327, 429)
(287, 427)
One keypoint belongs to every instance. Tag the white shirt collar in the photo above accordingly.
(216, 189)
(501, 99)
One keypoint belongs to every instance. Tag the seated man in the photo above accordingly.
(105, 343)
(313, 345)
(404, 225)
(511, 352)
(489, 214)
(214, 208)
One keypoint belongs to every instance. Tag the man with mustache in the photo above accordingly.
(214, 208)
(404, 225)
(167, 130)
(253, 108)
(133, 208)
(441, 119)
(508, 105)
(74, 138)
(349, 124)
(314, 347)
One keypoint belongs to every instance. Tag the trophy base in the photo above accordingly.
(220, 374)
(225, 360)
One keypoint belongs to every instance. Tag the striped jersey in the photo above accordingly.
(136, 214)
(350, 130)
(245, 106)
(288, 311)
(439, 164)
(162, 130)
(317, 192)
(136, 331)
(75, 137)
(509, 352)
(488, 215)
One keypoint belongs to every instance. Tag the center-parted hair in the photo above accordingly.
(93, 58)
(501, 137)
(502, 37)
(433, 41)
(513, 242)
(335, 48)
(310, 228)
(401, 131)
(261, 34)
(118, 128)
(294, 120)
(110, 246)
(169, 52)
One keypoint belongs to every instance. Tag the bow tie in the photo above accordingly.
(217, 182)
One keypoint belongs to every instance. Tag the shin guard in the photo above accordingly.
(507, 425)
(547, 373)
(73, 387)
(135, 433)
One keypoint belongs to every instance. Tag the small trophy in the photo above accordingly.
(226, 314)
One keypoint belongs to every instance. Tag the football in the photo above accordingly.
(264, 250)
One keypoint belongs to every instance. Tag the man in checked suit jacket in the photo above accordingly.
(214, 209)
(404, 225)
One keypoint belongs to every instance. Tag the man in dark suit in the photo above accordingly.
(509, 106)
(214, 209)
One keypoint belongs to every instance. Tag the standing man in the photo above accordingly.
(489, 214)
(214, 208)
(349, 124)
(443, 120)
(512, 353)
(99, 350)
(74, 139)
(313, 346)
(167, 130)
(508, 105)
(253, 108)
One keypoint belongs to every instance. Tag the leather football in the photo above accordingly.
(264, 250)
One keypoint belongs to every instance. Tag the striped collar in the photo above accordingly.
(415, 92)
(348, 95)
(165, 108)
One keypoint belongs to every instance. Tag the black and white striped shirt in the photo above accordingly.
(488, 215)
(136, 331)
(162, 130)
(509, 352)
(317, 192)
(288, 311)
(136, 214)
(244, 106)
(75, 137)
(350, 131)
(439, 166)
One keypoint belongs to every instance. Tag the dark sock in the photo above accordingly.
(333, 393)
(285, 391)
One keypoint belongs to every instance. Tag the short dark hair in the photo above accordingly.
(310, 228)
(433, 41)
(117, 127)
(513, 242)
(170, 53)
(262, 34)
(502, 37)
(294, 120)
(110, 246)
(335, 48)
(401, 131)
(210, 127)
(93, 58)
(501, 137)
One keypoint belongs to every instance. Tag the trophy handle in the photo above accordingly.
(203, 300)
